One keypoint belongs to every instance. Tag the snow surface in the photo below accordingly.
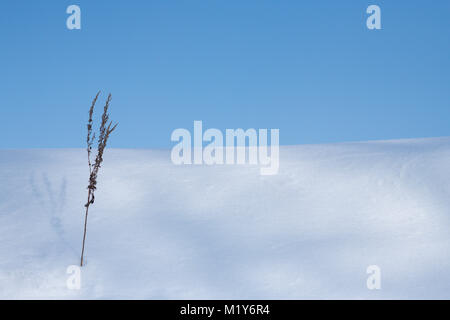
(160, 231)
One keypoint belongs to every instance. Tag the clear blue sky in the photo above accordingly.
(310, 68)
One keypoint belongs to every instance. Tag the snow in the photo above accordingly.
(160, 231)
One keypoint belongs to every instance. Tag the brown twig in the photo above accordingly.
(104, 132)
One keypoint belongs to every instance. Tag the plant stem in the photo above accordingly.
(85, 226)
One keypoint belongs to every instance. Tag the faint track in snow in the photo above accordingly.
(52, 202)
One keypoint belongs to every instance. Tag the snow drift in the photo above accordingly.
(160, 231)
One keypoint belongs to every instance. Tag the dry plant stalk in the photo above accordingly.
(106, 128)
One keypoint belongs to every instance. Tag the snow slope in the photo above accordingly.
(209, 232)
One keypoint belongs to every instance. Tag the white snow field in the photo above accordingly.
(160, 231)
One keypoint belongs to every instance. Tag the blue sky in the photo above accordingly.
(310, 68)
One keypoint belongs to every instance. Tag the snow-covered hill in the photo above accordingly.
(207, 232)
